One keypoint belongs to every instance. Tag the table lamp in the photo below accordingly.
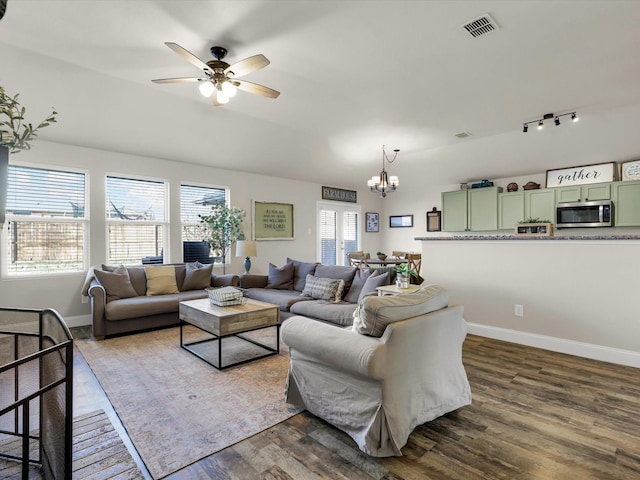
(246, 248)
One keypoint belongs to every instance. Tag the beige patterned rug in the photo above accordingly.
(178, 409)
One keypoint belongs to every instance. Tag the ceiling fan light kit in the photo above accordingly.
(220, 82)
(548, 116)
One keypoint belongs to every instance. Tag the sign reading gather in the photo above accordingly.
(566, 177)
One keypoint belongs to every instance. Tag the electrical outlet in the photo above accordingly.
(518, 310)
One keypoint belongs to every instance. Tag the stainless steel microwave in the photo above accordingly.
(597, 213)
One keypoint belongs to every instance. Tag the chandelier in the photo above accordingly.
(384, 183)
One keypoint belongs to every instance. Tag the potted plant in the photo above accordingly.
(404, 275)
(381, 255)
(223, 226)
(534, 226)
(15, 134)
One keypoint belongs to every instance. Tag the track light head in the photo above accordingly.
(540, 125)
(525, 128)
(556, 121)
(574, 117)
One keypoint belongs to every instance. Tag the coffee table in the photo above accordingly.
(223, 322)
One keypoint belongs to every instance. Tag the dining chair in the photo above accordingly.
(414, 260)
(399, 255)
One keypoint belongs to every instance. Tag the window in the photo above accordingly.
(195, 201)
(136, 220)
(47, 221)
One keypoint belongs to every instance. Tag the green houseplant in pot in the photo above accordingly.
(406, 275)
(223, 226)
(15, 133)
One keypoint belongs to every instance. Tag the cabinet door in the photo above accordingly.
(454, 211)
(540, 204)
(626, 203)
(483, 209)
(510, 210)
(568, 194)
(598, 191)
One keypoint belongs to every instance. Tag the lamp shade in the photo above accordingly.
(246, 248)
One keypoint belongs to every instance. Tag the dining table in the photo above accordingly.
(386, 261)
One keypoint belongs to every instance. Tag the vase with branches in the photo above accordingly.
(223, 226)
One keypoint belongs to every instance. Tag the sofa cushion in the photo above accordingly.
(300, 272)
(373, 282)
(337, 272)
(116, 283)
(283, 298)
(323, 288)
(127, 308)
(359, 278)
(374, 313)
(281, 278)
(161, 280)
(336, 313)
(197, 276)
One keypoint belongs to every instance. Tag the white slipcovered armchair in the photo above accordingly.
(398, 367)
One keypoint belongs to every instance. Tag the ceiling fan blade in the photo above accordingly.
(256, 88)
(188, 56)
(247, 65)
(179, 80)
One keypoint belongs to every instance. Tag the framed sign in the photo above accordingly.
(272, 221)
(584, 174)
(434, 220)
(400, 221)
(339, 194)
(630, 170)
(371, 222)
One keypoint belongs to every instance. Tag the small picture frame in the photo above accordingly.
(400, 221)
(372, 222)
(434, 220)
(630, 170)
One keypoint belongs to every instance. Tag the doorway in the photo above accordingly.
(338, 232)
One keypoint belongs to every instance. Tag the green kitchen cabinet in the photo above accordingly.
(540, 204)
(454, 211)
(470, 210)
(626, 203)
(584, 193)
(510, 210)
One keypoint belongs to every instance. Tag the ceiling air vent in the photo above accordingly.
(481, 26)
(463, 134)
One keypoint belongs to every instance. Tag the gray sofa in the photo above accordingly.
(285, 286)
(131, 299)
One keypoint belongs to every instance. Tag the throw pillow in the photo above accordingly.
(116, 283)
(353, 295)
(161, 280)
(300, 272)
(280, 278)
(373, 282)
(374, 313)
(323, 288)
(338, 273)
(197, 276)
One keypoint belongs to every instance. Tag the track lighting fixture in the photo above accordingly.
(548, 116)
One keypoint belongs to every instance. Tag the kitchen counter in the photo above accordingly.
(528, 238)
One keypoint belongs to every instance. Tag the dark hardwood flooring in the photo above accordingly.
(535, 415)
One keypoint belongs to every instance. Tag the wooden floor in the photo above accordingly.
(535, 415)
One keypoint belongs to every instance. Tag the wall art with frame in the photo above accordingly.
(400, 221)
(630, 170)
(434, 220)
(272, 221)
(372, 222)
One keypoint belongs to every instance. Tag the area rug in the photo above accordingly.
(178, 409)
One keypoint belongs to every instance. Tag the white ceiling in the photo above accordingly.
(353, 75)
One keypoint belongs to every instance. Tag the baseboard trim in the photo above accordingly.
(561, 345)
(77, 321)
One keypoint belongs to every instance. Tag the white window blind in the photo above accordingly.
(47, 221)
(328, 231)
(339, 232)
(136, 220)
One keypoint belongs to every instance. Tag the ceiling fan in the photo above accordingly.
(220, 81)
